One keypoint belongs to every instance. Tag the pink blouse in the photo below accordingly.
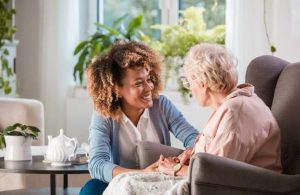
(243, 128)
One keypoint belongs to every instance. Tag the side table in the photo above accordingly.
(36, 166)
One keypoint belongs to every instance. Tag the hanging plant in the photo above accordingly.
(272, 47)
(7, 31)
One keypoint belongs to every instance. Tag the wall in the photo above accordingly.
(28, 52)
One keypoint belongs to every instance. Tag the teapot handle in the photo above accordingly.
(75, 144)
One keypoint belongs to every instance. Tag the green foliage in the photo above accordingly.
(7, 31)
(103, 39)
(273, 49)
(18, 129)
(177, 39)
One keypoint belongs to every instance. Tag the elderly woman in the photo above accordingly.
(124, 85)
(241, 126)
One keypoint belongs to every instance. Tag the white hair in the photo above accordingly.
(213, 64)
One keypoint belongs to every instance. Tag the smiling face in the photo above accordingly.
(136, 90)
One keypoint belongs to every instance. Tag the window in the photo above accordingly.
(117, 8)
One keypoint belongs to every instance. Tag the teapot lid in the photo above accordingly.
(61, 137)
(61, 132)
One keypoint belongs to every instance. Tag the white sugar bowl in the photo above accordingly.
(61, 149)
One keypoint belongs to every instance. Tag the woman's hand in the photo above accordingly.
(185, 156)
(151, 168)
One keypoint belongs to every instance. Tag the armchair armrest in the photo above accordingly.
(209, 174)
(149, 152)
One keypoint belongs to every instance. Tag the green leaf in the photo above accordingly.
(19, 129)
(80, 66)
(6, 52)
(109, 29)
(120, 19)
(97, 36)
(8, 130)
(134, 24)
(1, 82)
(4, 64)
(79, 47)
(273, 49)
(2, 141)
(9, 72)
(7, 88)
(95, 49)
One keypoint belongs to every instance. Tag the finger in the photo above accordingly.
(161, 157)
(183, 159)
(167, 159)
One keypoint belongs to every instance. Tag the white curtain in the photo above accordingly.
(58, 39)
(246, 33)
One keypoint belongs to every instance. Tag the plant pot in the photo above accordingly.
(18, 148)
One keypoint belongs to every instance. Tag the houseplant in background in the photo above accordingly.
(177, 39)
(7, 31)
(101, 41)
(17, 140)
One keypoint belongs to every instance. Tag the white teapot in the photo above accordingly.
(61, 149)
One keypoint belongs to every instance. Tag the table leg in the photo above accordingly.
(52, 184)
(65, 181)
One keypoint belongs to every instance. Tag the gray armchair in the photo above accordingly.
(277, 82)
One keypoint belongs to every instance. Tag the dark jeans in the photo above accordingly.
(93, 187)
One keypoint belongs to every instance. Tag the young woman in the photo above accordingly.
(124, 85)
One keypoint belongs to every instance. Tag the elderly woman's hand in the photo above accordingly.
(166, 165)
(185, 156)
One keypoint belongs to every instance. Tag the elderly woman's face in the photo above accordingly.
(197, 87)
(136, 89)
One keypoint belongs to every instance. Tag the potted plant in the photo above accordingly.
(177, 39)
(7, 31)
(17, 140)
(104, 37)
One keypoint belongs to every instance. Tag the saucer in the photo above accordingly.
(61, 164)
(79, 160)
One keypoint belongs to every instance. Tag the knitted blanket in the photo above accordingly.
(147, 184)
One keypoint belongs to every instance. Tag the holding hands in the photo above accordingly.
(171, 165)
(175, 166)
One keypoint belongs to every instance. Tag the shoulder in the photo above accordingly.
(99, 120)
(161, 101)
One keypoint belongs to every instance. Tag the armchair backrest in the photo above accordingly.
(25, 111)
(277, 83)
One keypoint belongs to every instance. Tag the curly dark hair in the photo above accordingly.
(107, 70)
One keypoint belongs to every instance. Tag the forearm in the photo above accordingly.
(118, 170)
